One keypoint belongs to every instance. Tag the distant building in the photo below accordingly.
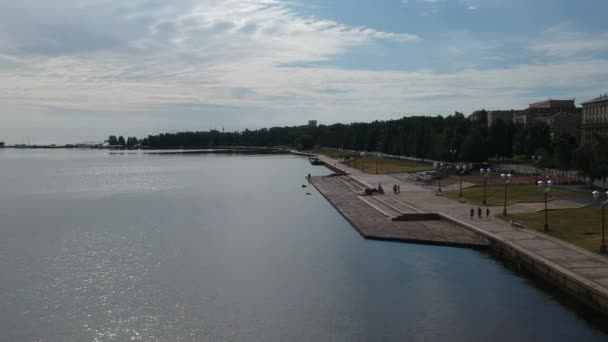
(561, 115)
(312, 123)
(479, 116)
(568, 122)
(504, 115)
(595, 119)
(553, 104)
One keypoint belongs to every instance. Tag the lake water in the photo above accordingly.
(133, 247)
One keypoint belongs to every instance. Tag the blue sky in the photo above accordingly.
(81, 70)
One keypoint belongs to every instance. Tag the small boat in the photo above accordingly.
(315, 161)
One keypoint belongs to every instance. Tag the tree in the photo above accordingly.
(132, 141)
(538, 135)
(599, 166)
(473, 148)
(499, 142)
(304, 142)
(519, 138)
(121, 141)
(563, 151)
(583, 161)
(592, 160)
(112, 140)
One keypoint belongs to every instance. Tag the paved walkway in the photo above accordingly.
(588, 269)
(372, 216)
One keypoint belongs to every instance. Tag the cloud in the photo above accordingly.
(558, 42)
(187, 63)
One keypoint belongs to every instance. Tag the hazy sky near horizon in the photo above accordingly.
(79, 70)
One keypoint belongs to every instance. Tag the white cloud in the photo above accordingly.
(559, 42)
(189, 59)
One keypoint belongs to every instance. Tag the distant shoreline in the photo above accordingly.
(169, 150)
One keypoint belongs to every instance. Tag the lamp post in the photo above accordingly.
(537, 160)
(507, 179)
(599, 195)
(485, 173)
(461, 170)
(545, 186)
(453, 154)
(376, 163)
(438, 166)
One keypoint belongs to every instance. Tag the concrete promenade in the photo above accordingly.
(374, 216)
(580, 273)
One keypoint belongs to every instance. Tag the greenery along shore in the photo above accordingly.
(419, 136)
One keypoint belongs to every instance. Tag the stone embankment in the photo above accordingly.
(381, 217)
(574, 271)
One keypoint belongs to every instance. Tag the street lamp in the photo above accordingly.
(461, 170)
(376, 163)
(485, 173)
(438, 166)
(537, 160)
(453, 153)
(546, 186)
(598, 195)
(507, 179)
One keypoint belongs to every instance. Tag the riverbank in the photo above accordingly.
(573, 270)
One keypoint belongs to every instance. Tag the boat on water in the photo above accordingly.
(315, 161)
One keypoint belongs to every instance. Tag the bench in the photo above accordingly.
(517, 224)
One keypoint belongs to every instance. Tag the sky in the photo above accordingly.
(80, 70)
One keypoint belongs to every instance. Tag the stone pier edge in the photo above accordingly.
(583, 290)
(394, 239)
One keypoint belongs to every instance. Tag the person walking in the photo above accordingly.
(487, 213)
(472, 213)
(479, 213)
(395, 188)
(398, 188)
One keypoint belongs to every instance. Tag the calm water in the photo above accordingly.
(99, 247)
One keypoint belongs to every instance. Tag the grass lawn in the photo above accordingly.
(388, 165)
(330, 153)
(368, 164)
(581, 227)
(515, 193)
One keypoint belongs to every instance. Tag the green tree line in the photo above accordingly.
(120, 141)
(418, 136)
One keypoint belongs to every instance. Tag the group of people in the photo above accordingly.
(479, 213)
(397, 188)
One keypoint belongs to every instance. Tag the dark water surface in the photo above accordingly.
(99, 247)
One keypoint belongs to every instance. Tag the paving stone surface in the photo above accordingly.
(371, 216)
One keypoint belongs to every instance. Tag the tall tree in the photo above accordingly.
(538, 135)
(473, 148)
(498, 139)
(563, 151)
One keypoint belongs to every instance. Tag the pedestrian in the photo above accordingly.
(472, 213)
(487, 213)
(479, 212)
(398, 188)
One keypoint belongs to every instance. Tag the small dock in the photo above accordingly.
(383, 217)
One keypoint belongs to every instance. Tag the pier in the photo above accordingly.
(383, 217)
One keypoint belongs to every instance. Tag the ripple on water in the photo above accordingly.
(99, 286)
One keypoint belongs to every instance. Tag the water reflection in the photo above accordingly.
(168, 248)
